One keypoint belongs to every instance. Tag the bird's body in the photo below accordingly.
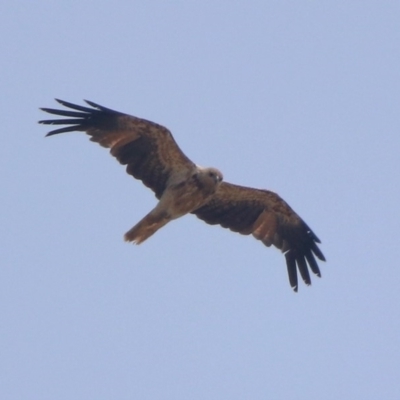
(151, 154)
(178, 199)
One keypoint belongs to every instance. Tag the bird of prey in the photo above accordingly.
(151, 155)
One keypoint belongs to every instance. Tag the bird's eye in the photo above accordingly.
(210, 174)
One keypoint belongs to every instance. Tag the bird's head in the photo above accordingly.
(209, 177)
(213, 174)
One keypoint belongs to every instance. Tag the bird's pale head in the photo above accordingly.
(213, 174)
(209, 178)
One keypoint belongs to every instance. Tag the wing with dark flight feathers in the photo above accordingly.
(148, 149)
(270, 219)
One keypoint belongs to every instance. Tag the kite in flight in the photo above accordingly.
(151, 154)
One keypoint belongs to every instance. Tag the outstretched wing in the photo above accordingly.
(148, 149)
(270, 219)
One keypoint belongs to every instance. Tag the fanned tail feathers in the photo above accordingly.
(149, 225)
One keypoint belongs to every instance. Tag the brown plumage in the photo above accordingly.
(151, 154)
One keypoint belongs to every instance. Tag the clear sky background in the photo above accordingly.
(299, 97)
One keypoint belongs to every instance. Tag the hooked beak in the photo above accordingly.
(218, 178)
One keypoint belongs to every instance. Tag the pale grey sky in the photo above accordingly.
(297, 97)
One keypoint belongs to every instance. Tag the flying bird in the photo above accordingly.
(151, 155)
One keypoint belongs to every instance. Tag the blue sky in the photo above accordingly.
(296, 97)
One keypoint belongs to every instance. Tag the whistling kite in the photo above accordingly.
(152, 155)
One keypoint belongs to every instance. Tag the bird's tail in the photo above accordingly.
(149, 225)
